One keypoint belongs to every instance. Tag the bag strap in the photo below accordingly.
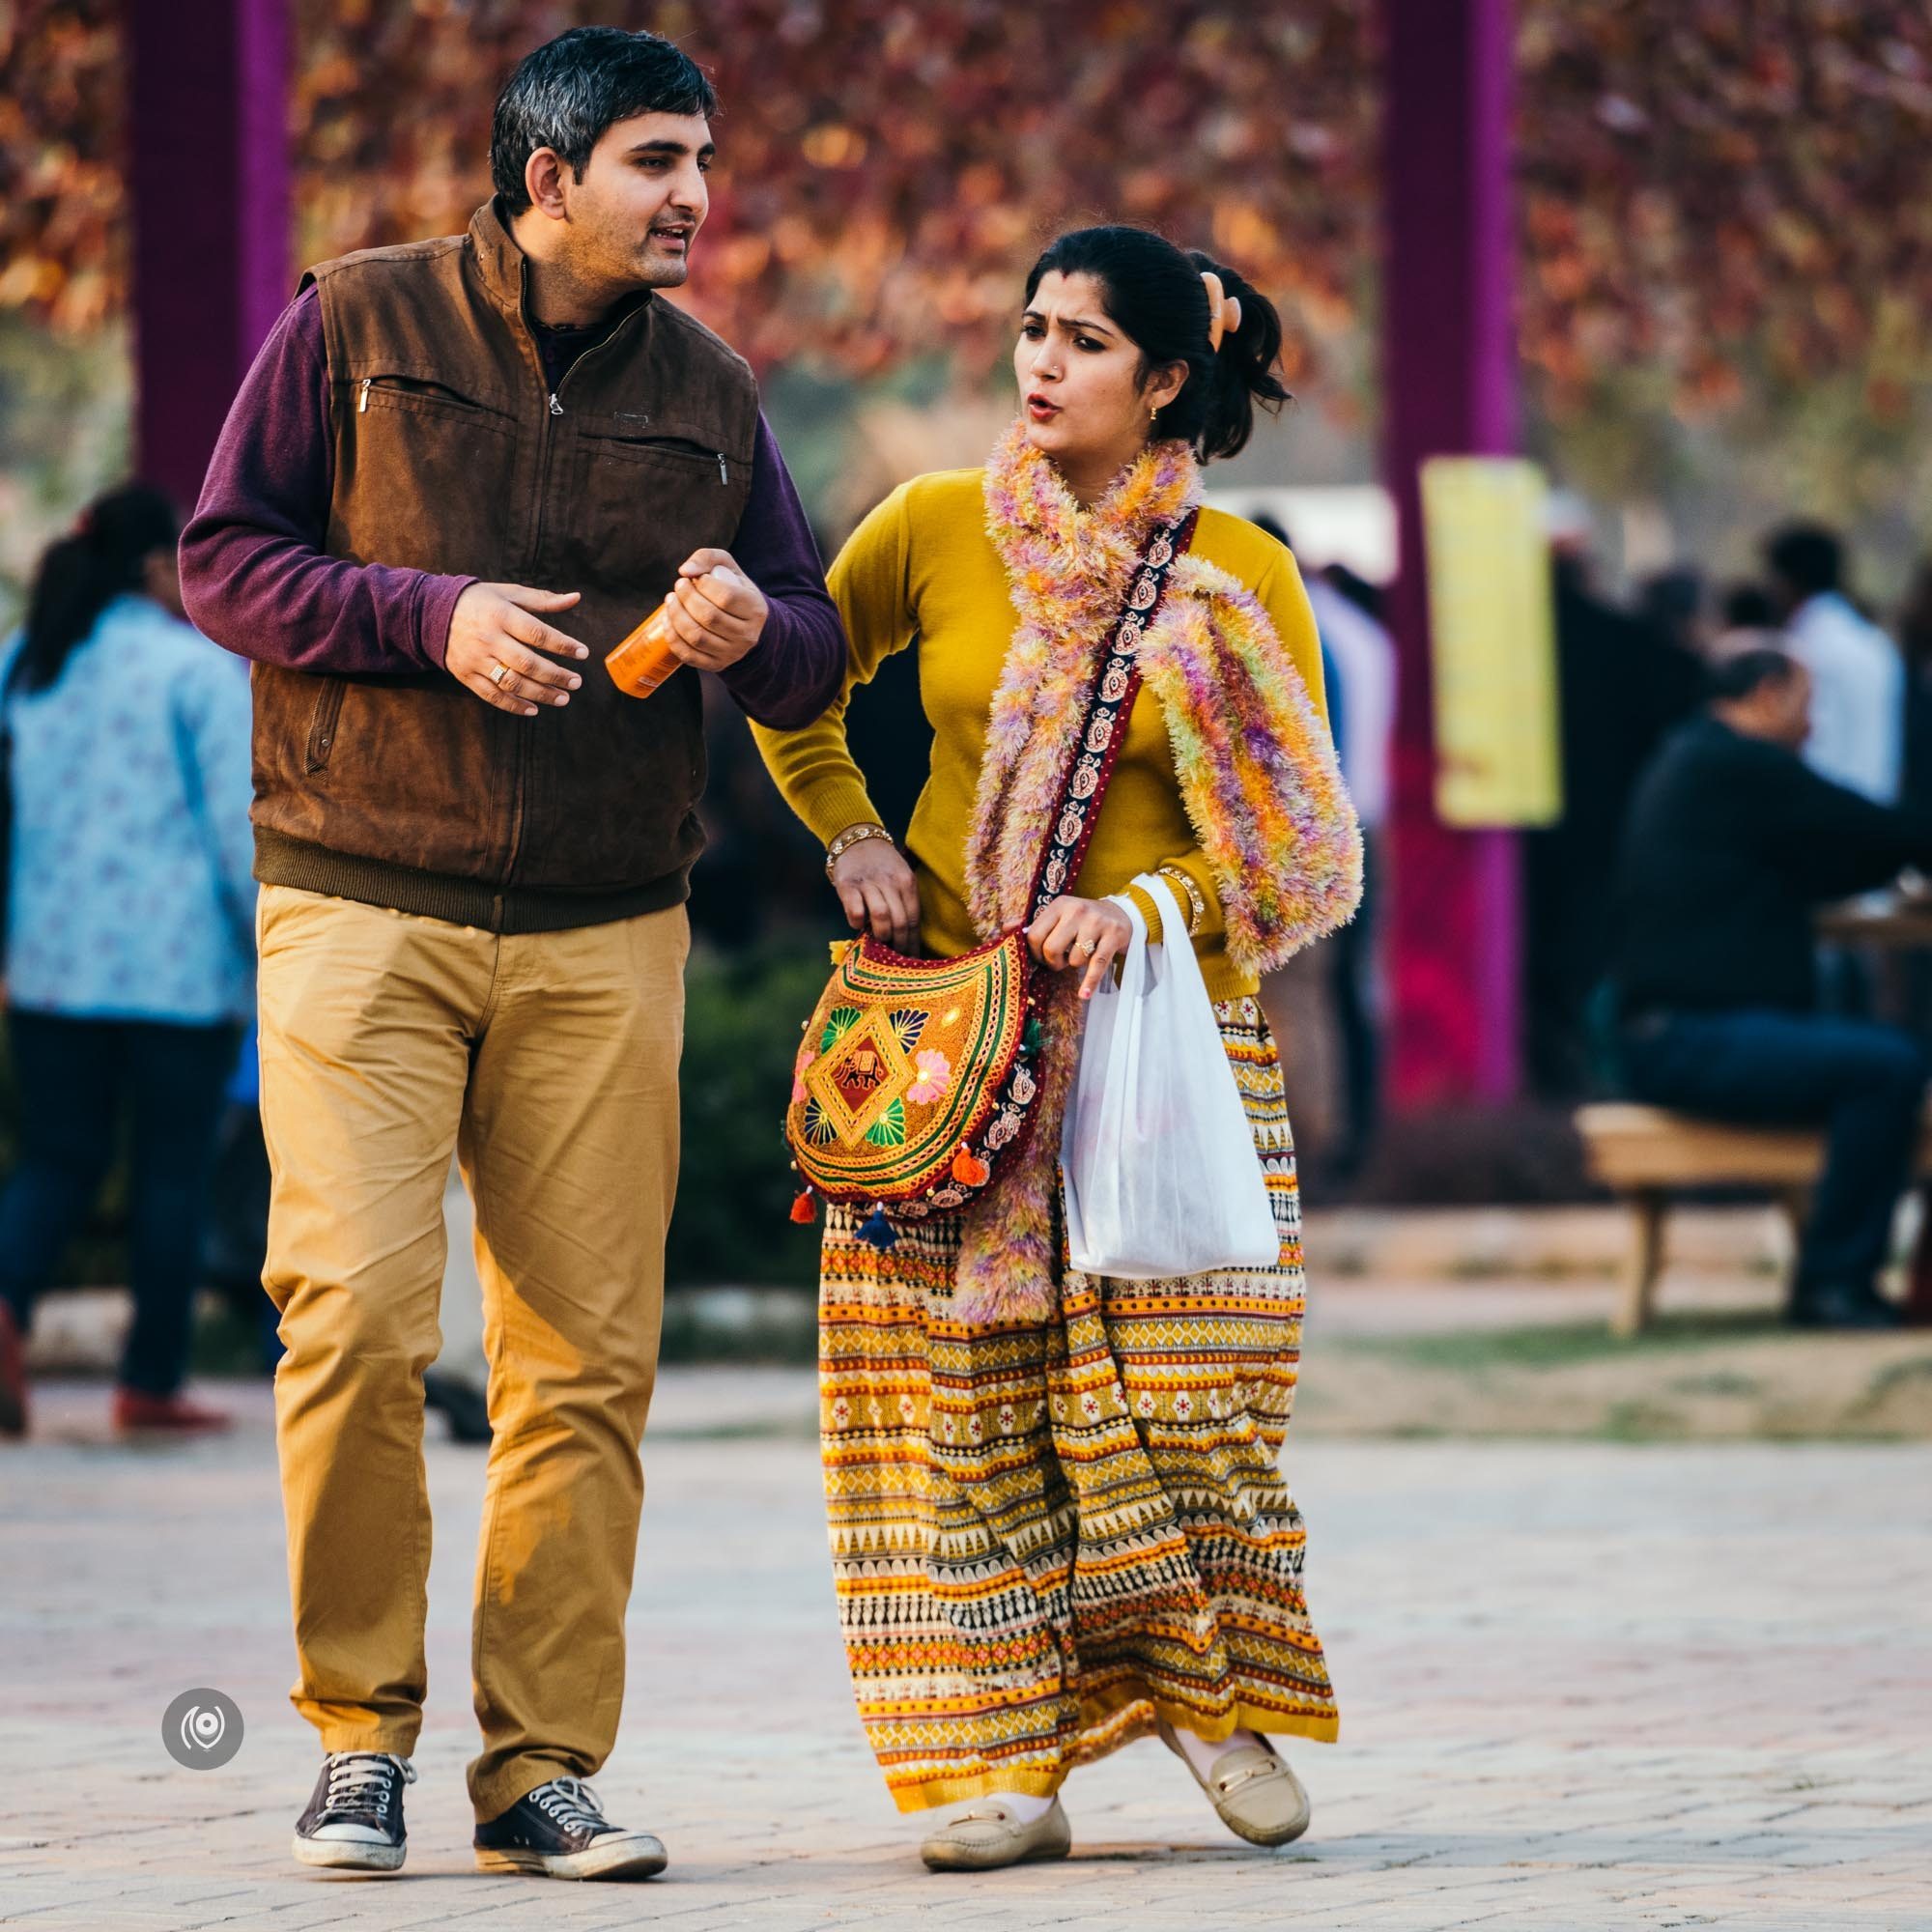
(1103, 728)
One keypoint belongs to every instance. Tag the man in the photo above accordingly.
(458, 470)
(1359, 666)
(1857, 679)
(1732, 840)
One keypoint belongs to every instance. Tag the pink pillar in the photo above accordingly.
(209, 178)
(1449, 363)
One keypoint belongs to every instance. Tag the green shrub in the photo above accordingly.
(743, 1016)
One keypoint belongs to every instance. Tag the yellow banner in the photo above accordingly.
(1492, 642)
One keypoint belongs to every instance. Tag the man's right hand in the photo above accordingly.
(496, 625)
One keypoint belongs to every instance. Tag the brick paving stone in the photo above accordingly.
(1584, 1686)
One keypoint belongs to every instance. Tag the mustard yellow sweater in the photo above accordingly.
(922, 569)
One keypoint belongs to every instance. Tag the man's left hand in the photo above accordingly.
(716, 612)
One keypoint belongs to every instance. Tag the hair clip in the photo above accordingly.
(1224, 311)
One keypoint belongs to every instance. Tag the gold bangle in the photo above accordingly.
(854, 834)
(1197, 904)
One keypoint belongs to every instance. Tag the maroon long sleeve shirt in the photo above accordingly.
(255, 575)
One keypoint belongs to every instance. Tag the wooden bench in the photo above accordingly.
(1646, 1154)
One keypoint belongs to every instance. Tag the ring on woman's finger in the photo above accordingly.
(497, 673)
(1084, 949)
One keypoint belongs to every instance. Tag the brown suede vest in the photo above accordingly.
(451, 456)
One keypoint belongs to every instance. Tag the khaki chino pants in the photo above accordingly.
(548, 1063)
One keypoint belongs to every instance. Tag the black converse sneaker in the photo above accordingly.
(355, 1816)
(560, 1830)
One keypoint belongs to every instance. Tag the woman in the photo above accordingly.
(129, 931)
(1056, 1522)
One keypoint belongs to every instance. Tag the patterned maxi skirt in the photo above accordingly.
(1046, 1537)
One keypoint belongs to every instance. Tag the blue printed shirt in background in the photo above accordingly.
(130, 889)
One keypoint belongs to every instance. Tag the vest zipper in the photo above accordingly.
(524, 737)
(724, 475)
(363, 401)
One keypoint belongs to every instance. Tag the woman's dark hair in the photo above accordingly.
(1154, 291)
(565, 94)
(1747, 671)
(82, 574)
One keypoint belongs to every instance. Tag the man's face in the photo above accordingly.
(642, 199)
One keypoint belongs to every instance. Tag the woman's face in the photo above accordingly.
(1079, 376)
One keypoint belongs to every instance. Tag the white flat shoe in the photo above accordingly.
(986, 1835)
(1253, 1790)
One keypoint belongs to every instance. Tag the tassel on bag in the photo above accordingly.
(879, 1231)
(968, 1169)
(805, 1207)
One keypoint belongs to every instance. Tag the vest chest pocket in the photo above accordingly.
(648, 502)
(419, 395)
(429, 475)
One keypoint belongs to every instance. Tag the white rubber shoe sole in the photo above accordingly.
(348, 1855)
(632, 1855)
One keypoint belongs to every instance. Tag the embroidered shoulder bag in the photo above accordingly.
(915, 1081)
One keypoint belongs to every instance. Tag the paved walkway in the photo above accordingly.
(1583, 1687)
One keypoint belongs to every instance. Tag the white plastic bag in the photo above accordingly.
(1157, 1159)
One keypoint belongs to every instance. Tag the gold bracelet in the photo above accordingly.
(1197, 904)
(854, 834)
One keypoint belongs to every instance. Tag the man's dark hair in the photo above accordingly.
(1748, 672)
(1748, 607)
(566, 93)
(1672, 600)
(1807, 557)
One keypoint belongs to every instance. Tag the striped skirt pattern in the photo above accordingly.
(1046, 1537)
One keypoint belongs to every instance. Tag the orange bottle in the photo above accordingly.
(644, 659)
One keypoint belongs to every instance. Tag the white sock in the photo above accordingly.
(1024, 1807)
(1202, 1753)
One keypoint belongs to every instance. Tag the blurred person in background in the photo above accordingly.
(1915, 648)
(1672, 603)
(1365, 596)
(129, 922)
(1620, 688)
(1733, 842)
(1747, 621)
(1360, 652)
(983, 1674)
(1858, 681)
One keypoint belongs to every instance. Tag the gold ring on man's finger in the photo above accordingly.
(497, 673)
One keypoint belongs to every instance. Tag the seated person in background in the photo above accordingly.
(1732, 840)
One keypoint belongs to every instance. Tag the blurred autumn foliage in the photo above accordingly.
(1725, 193)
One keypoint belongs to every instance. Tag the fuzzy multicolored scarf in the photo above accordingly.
(1256, 764)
